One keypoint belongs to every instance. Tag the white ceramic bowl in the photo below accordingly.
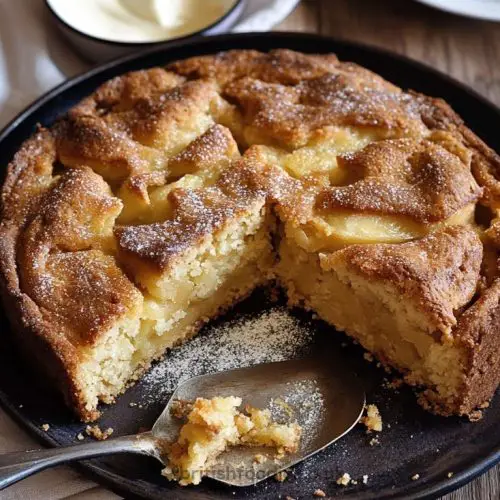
(98, 49)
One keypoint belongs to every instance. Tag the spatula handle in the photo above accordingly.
(19, 465)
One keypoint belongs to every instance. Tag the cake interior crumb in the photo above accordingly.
(213, 425)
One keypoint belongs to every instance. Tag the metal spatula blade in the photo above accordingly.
(323, 398)
(321, 395)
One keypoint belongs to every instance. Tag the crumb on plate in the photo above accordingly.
(281, 476)
(372, 420)
(476, 415)
(368, 357)
(344, 479)
(97, 433)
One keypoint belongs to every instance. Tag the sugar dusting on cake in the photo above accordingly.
(273, 335)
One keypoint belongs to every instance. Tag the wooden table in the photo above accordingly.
(466, 49)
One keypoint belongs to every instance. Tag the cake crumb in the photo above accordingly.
(415, 477)
(80, 436)
(344, 479)
(132, 404)
(372, 420)
(374, 441)
(97, 433)
(365, 479)
(45, 427)
(368, 357)
(475, 416)
(353, 481)
(281, 476)
(213, 425)
(484, 405)
(319, 493)
(450, 474)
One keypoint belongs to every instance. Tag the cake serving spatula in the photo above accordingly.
(322, 396)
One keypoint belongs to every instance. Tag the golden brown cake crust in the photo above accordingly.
(478, 329)
(283, 66)
(211, 124)
(422, 180)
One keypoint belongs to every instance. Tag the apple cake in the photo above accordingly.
(169, 194)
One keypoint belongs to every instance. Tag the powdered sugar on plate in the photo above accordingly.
(273, 335)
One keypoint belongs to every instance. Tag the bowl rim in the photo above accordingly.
(236, 5)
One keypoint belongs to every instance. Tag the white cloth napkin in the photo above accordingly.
(33, 59)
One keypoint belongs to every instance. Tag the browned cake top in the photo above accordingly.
(194, 214)
(427, 180)
(155, 160)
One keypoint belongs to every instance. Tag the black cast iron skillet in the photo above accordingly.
(413, 441)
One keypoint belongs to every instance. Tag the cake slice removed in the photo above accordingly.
(215, 424)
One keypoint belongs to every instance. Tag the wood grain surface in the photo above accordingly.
(466, 49)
